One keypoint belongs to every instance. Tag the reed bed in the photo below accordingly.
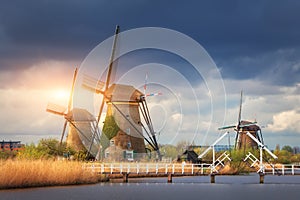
(35, 173)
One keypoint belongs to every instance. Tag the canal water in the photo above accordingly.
(226, 187)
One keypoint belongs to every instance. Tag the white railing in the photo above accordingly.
(149, 168)
(280, 169)
(180, 168)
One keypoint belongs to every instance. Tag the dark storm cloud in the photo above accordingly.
(231, 31)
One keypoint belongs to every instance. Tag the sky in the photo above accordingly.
(255, 46)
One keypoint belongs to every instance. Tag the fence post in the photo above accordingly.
(111, 168)
(128, 168)
(102, 168)
(166, 169)
(93, 168)
(293, 172)
(147, 168)
(282, 169)
(192, 168)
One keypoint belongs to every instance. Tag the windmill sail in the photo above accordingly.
(123, 130)
(56, 109)
(242, 141)
(92, 84)
(83, 132)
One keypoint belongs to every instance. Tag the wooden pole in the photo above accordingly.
(169, 177)
(212, 178)
(261, 178)
(125, 177)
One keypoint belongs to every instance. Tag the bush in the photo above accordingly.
(47, 149)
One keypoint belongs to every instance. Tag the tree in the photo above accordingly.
(110, 130)
(45, 149)
(169, 151)
(287, 148)
(31, 152)
(181, 146)
(277, 148)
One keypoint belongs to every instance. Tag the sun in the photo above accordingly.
(60, 94)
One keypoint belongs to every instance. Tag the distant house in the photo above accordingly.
(190, 156)
(11, 145)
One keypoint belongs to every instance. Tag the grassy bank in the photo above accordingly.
(34, 173)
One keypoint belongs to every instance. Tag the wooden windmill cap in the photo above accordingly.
(120, 92)
(249, 126)
(79, 114)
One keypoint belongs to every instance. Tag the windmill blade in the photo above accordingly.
(227, 127)
(108, 77)
(213, 144)
(261, 137)
(109, 72)
(262, 145)
(132, 125)
(92, 84)
(63, 132)
(85, 126)
(72, 90)
(100, 110)
(240, 111)
(153, 94)
(145, 88)
(56, 109)
(236, 138)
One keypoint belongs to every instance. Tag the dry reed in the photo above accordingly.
(34, 173)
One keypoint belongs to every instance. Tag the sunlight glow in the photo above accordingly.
(60, 95)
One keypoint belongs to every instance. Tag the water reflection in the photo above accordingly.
(226, 187)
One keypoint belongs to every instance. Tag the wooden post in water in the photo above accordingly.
(261, 177)
(212, 178)
(125, 177)
(169, 177)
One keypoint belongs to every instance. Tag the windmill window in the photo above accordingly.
(128, 155)
(106, 154)
(129, 145)
(112, 143)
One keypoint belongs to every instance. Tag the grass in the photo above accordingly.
(35, 173)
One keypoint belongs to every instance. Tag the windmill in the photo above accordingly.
(83, 132)
(123, 130)
(242, 141)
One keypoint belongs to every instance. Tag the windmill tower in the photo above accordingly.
(242, 141)
(123, 131)
(123, 107)
(83, 133)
